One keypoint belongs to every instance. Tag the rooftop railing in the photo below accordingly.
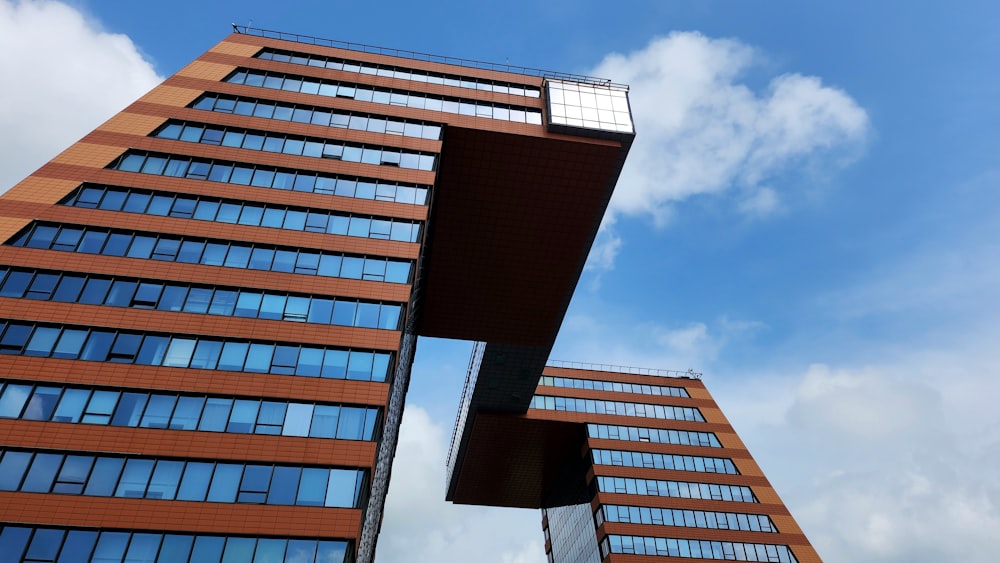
(417, 56)
(689, 374)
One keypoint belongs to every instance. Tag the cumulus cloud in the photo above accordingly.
(64, 76)
(616, 340)
(420, 526)
(876, 463)
(700, 130)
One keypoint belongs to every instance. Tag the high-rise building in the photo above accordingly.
(209, 305)
(629, 464)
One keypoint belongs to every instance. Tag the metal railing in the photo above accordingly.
(418, 56)
(689, 374)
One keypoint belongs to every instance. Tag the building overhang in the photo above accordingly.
(513, 219)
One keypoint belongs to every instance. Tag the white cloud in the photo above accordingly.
(700, 130)
(889, 460)
(420, 526)
(64, 76)
(614, 339)
(880, 463)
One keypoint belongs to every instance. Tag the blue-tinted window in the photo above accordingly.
(42, 403)
(343, 488)
(134, 478)
(42, 473)
(71, 405)
(78, 546)
(324, 422)
(253, 357)
(13, 466)
(73, 475)
(312, 487)
(175, 549)
(104, 477)
(208, 548)
(13, 399)
(165, 480)
(238, 550)
(13, 541)
(194, 485)
(225, 482)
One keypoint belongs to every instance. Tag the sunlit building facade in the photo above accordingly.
(209, 305)
(666, 474)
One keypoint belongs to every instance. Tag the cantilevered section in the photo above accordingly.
(514, 218)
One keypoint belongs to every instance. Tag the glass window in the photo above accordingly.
(272, 307)
(223, 302)
(98, 346)
(194, 484)
(216, 415)
(270, 550)
(147, 295)
(206, 354)
(175, 549)
(14, 338)
(187, 413)
(312, 487)
(166, 477)
(71, 405)
(198, 300)
(324, 422)
(297, 420)
(13, 399)
(238, 550)
(352, 422)
(12, 468)
(310, 362)
(243, 417)
(110, 547)
(179, 352)
(332, 551)
(302, 550)
(335, 364)
(296, 309)
(69, 289)
(233, 356)
(42, 341)
(135, 478)
(248, 304)
(153, 350)
(208, 549)
(78, 546)
(143, 548)
(360, 366)
(104, 477)
(255, 483)
(158, 411)
(259, 358)
(367, 315)
(129, 410)
(320, 310)
(42, 403)
(225, 483)
(126, 348)
(342, 489)
(142, 247)
(380, 367)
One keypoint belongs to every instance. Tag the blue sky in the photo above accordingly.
(813, 226)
